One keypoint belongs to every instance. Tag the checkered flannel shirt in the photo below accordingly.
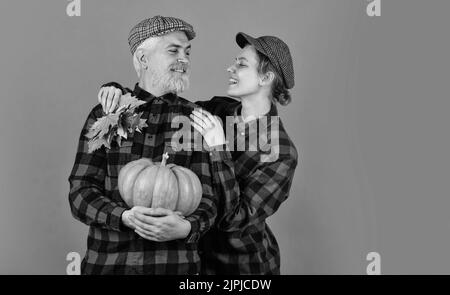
(112, 248)
(250, 191)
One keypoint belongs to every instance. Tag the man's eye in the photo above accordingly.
(173, 51)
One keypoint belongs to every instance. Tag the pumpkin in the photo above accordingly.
(155, 185)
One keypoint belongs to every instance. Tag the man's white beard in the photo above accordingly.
(168, 82)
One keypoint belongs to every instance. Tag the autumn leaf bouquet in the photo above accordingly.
(118, 125)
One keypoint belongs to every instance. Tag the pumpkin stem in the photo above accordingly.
(164, 159)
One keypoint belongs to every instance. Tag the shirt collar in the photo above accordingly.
(142, 94)
(272, 112)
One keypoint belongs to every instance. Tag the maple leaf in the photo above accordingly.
(121, 132)
(134, 121)
(128, 102)
(102, 126)
(141, 125)
(115, 126)
(98, 142)
(101, 132)
(126, 119)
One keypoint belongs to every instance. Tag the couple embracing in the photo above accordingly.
(242, 183)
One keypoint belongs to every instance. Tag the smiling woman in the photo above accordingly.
(252, 188)
(244, 69)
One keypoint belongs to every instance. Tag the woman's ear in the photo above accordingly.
(267, 78)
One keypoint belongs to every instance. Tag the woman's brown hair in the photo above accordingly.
(279, 92)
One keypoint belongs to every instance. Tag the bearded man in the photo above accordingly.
(160, 47)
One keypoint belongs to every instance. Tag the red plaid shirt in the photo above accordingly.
(94, 198)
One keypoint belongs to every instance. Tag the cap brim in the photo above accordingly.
(190, 34)
(243, 39)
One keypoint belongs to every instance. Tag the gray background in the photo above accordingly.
(369, 118)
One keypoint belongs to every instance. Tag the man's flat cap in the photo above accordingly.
(157, 26)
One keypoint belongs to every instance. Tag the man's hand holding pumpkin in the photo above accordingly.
(159, 224)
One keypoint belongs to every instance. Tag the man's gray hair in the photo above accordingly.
(148, 44)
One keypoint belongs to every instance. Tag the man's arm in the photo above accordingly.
(116, 85)
(204, 217)
(87, 199)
